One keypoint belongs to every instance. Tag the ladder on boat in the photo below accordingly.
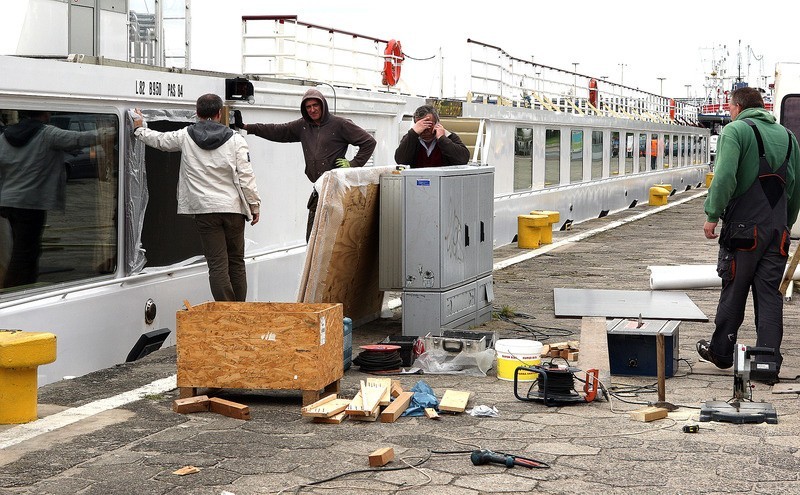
(473, 133)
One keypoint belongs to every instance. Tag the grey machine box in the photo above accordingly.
(436, 242)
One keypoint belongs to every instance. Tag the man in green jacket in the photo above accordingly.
(756, 193)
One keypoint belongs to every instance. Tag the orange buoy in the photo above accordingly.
(392, 59)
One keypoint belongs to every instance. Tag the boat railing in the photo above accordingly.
(497, 77)
(283, 47)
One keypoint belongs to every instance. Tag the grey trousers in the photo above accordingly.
(762, 271)
(222, 236)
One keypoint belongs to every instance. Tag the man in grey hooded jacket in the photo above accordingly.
(324, 138)
(217, 186)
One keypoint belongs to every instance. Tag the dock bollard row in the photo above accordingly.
(21, 353)
(536, 228)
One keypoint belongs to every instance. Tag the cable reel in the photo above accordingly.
(555, 385)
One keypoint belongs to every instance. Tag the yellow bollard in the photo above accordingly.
(668, 187)
(709, 178)
(658, 196)
(20, 355)
(529, 230)
(552, 218)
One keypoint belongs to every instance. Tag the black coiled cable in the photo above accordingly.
(378, 360)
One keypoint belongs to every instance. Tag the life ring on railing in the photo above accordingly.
(593, 92)
(672, 109)
(392, 60)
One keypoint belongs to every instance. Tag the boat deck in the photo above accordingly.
(107, 439)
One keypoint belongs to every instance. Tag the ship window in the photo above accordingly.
(576, 157)
(552, 157)
(58, 198)
(675, 144)
(790, 113)
(628, 153)
(643, 152)
(523, 159)
(666, 150)
(653, 151)
(614, 152)
(597, 154)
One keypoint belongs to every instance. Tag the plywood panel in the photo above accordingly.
(283, 346)
(666, 305)
(342, 258)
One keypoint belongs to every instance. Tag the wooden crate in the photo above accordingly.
(260, 345)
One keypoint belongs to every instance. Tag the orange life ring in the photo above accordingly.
(671, 109)
(392, 59)
(593, 92)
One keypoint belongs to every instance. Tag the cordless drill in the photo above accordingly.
(484, 456)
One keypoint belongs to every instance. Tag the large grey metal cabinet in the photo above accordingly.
(443, 218)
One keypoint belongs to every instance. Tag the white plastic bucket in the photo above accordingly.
(513, 353)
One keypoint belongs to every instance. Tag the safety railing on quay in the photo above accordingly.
(497, 77)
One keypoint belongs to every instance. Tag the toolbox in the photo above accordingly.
(456, 341)
(632, 346)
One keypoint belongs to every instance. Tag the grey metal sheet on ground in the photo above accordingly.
(626, 304)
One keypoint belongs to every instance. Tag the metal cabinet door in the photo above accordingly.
(421, 232)
(485, 226)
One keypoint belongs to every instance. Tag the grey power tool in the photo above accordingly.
(741, 408)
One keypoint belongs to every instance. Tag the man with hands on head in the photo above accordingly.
(429, 144)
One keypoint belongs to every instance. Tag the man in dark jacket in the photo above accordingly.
(756, 192)
(324, 137)
(428, 144)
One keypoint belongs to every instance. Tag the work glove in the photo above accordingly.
(342, 163)
(237, 120)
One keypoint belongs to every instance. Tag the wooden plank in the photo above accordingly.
(789, 274)
(342, 258)
(335, 419)
(186, 470)
(381, 457)
(397, 388)
(594, 347)
(649, 413)
(386, 384)
(356, 407)
(229, 408)
(454, 401)
(431, 413)
(254, 345)
(191, 404)
(326, 409)
(396, 408)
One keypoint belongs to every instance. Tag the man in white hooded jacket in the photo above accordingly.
(216, 185)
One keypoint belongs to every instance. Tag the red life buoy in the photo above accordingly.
(593, 92)
(392, 59)
(671, 109)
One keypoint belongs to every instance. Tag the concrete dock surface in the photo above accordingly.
(114, 431)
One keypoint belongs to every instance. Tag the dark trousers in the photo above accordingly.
(312, 211)
(27, 227)
(222, 236)
(762, 271)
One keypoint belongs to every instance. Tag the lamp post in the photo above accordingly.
(687, 86)
(661, 81)
(622, 74)
(575, 81)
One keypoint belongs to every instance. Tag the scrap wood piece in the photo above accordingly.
(186, 470)
(454, 401)
(356, 407)
(788, 276)
(326, 409)
(229, 408)
(431, 413)
(186, 304)
(381, 457)
(335, 419)
(396, 408)
(191, 404)
(386, 384)
(397, 388)
(373, 416)
(649, 413)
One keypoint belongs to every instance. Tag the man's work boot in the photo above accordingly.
(704, 350)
